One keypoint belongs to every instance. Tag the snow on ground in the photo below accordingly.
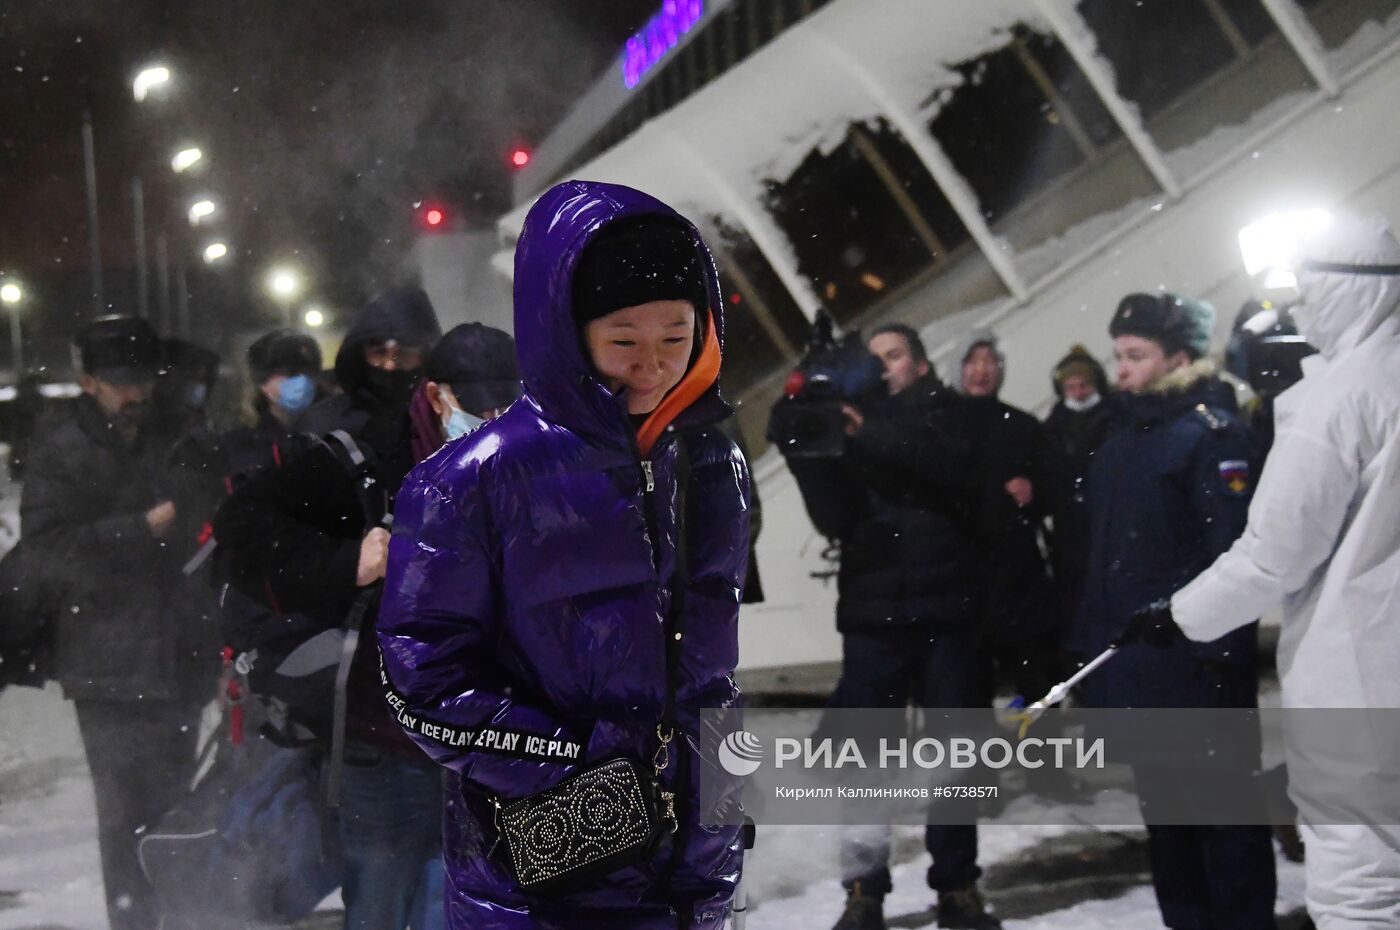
(49, 868)
(1066, 877)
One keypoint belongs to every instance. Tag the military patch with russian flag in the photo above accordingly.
(1235, 474)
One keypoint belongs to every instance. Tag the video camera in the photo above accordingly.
(1265, 349)
(807, 422)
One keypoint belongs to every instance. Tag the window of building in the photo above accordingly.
(1194, 67)
(760, 21)
(1002, 127)
(1159, 49)
(864, 219)
(1340, 25)
(764, 328)
(742, 31)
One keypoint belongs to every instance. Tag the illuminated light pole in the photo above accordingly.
(11, 294)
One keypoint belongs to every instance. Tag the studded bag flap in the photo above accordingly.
(588, 825)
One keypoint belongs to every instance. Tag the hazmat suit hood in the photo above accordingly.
(1340, 309)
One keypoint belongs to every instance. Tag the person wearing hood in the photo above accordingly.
(1168, 492)
(1084, 415)
(298, 536)
(1019, 632)
(564, 582)
(377, 369)
(1324, 538)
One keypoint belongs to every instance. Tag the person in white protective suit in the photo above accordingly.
(1324, 536)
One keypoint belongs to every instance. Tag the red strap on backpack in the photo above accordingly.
(233, 695)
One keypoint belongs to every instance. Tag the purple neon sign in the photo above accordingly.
(659, 36)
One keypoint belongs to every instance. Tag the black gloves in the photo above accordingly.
(1153, 625)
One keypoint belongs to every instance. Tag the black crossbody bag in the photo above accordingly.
(610, 815)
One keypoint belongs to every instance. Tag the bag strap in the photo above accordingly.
(675, 625)
(374, 504)
(373, 499)
(680, 576)
(351, 642)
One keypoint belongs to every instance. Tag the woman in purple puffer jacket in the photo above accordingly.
(526, 608)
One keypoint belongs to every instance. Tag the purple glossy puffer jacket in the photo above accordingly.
(525, 609)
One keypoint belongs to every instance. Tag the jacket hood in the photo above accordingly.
(404, 314)
(1079, 363)
(1341, 309)
(554, 366)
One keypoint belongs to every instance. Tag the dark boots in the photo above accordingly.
(965, 910)
(862, 912)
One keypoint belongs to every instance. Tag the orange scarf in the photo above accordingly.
(690, 388)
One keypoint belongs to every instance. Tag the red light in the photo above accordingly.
(431, 216)
(520, 158)
(795, 383)
(735, 299)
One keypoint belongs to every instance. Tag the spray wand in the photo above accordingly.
(1058, 693)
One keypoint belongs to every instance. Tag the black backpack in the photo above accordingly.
(289, 673)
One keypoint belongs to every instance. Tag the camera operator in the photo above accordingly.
(897, 498)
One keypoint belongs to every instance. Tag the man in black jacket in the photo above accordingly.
(132, 653)
(898, 501)
(1020, 624)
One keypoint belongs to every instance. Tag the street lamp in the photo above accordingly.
(201, 209)
(214, 251)
(185, 159)
(11, 294)
(284, 283)
(148, 79)
(314, 317)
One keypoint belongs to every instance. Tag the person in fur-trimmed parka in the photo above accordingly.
(1168, 492)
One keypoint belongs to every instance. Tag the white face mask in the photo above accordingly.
(1088, 403)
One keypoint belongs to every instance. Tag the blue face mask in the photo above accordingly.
(296, 393)
(459, 423)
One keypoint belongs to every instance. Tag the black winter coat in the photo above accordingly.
(899, 503)
(291, 536)
(129, 626)
(1013, 446)
(1073, 438)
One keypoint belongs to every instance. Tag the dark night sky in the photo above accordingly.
(323, 121)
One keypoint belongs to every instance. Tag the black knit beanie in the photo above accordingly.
(636, 261)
